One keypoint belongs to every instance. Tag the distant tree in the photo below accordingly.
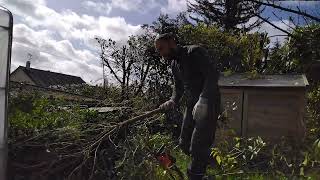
(232, 15)
(140, 50)
(119, 61)
(129, 64)
(278, 56)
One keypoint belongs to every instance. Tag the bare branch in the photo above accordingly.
(282, 20)
(287, 9)
(267, 21)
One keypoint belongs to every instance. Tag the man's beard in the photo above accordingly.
(172, 54)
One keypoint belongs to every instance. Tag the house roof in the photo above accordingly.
(48, 78)
(287, 80)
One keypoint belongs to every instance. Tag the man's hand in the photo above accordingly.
(167, 105)
(200, 110)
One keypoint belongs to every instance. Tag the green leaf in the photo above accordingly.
(218, 159)
(164, 172)
(305, 161)
(227, 73)
(301, 171)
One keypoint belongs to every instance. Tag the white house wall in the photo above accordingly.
(20, 76)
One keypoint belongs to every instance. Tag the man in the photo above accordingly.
(196, 76)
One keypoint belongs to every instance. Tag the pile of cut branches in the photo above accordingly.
(83, 151)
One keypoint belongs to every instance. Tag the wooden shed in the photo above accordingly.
(271, 106)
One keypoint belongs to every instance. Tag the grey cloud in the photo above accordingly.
(99, 7)
(51, 40)
(50, 54)
(175, 6)
(138, 6)
(141, 6)
(20, 53)
(23, 7)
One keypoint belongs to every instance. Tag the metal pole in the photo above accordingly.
(6, 24)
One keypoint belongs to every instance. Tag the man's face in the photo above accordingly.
(164, 47)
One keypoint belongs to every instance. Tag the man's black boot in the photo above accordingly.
(194, 176)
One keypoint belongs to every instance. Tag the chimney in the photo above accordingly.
(28, 65)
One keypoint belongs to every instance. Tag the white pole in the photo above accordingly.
(6, 23)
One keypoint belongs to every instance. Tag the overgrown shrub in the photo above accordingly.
(279, 62)
(238, 52)
(31, 114)
(304, 46)
(313, 111)
(298, 53)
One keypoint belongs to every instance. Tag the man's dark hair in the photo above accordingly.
(165, 36)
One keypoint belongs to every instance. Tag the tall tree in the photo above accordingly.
(229, 14)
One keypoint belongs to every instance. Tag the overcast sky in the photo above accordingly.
(60, 33)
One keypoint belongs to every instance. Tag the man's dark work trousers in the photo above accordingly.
(196, 76)
(196, 138)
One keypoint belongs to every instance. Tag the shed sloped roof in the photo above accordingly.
(240, 80)
(48, 78)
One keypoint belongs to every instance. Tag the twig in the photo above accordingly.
(94, 161)
(137, 118)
